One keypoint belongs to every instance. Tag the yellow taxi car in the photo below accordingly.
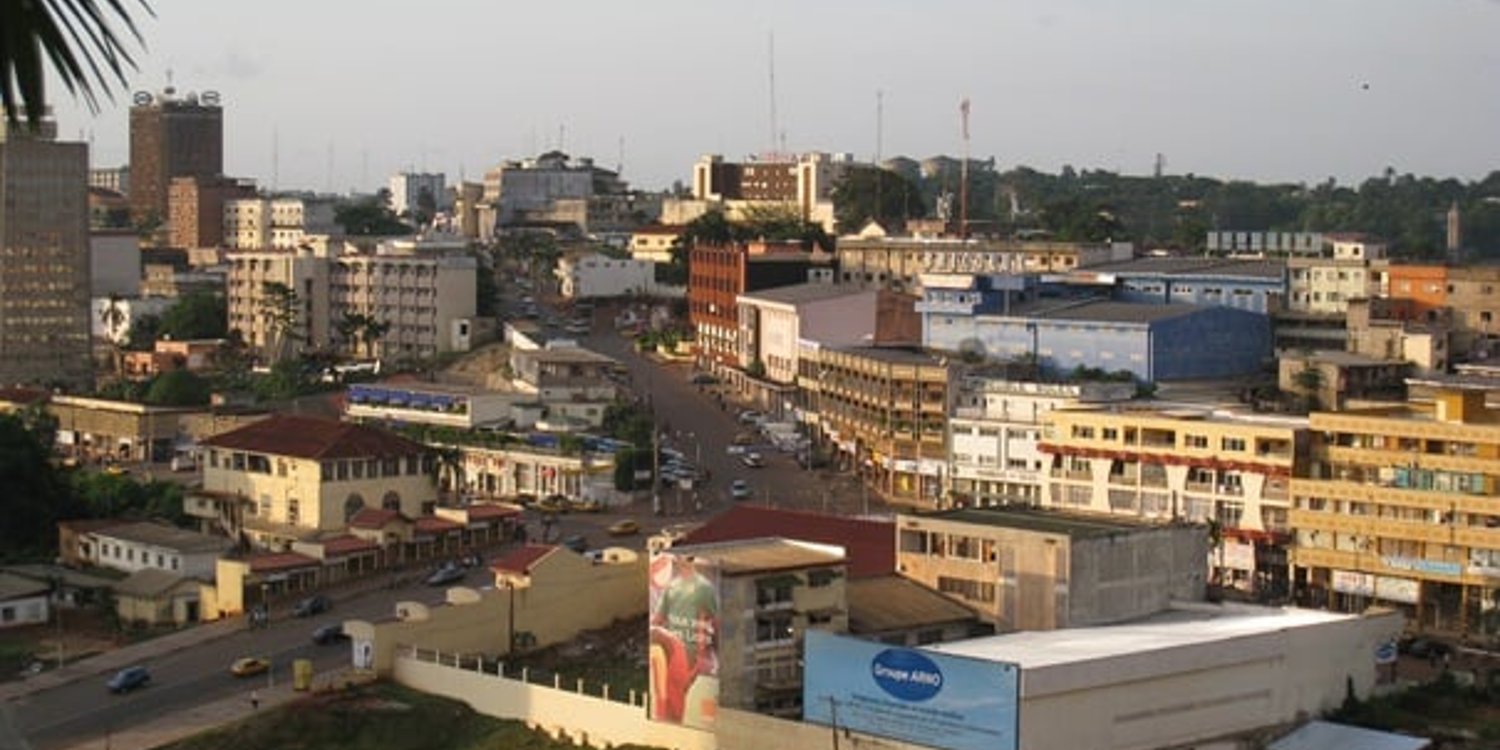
(249, 666)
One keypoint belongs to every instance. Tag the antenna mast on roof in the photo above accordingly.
(963, 174)
(771, 62)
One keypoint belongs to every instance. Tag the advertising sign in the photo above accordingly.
(924, 697)
(683, 650)
(1349, 582)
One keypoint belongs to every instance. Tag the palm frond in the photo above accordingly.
(78, 39)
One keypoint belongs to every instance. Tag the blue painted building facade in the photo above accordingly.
(1258, 286)
(1153, 342)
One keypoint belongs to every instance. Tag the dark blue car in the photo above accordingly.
(128, 679)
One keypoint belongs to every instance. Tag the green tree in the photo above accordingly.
(143, 333)
(35, 496)
(369, 216)
(200, 315)
(76, 39)
(179, 388)
(867, 193)
(282, 309)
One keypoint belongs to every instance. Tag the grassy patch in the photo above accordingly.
(1460, 717)
(374, 717)
(614, 656)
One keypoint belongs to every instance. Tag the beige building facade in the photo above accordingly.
(426, 300)
(1034, 570)
(288, 478)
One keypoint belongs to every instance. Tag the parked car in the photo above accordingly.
(249, 666)
(330, 633)
(750, 417)
(312, 605)
(445, 575)
(183, 463)
(624, 527)
(1425, 648)
(587, 506)
(128, 679)
(745, 438)
(577, 543)
(553, 504)
(753, 460)
(703, 378)
(739, 489)
(736, 450)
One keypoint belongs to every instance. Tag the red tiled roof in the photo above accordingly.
(521, 560)
(869, 545)
(341, 546)
(374, 518)
(311, 437)
(271, 562)
(435, 525)
(488, 511)
(23, 395)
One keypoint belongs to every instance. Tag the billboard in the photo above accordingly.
(923, 697)
(683, 645)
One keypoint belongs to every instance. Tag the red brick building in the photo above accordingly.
(721, 273)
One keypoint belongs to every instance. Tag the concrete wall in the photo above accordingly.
(596, 722)
(743, 730)
(567, 595)
(320, 503)
(1126, 576)
(1180, 696)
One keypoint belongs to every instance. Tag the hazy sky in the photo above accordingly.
(1259, 89)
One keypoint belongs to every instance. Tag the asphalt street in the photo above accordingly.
(85, 709)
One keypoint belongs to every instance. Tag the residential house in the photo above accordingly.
(1332, 379)
(158, 597)
(133, 547)
(23, 601)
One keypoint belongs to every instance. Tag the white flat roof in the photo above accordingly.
(1183, 625)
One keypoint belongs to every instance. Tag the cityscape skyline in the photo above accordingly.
(1269, 92)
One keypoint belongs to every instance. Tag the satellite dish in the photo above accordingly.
(141, 98)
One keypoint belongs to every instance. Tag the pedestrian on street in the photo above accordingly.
(254, 700)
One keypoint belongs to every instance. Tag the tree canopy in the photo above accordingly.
(179, 388)
(867, 193)
(368, 216)
(200, 315)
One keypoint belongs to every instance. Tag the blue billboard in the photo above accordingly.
(907, 694)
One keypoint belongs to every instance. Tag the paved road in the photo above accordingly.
(192, 677)
(703, 430)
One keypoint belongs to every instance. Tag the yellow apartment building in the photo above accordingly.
(289, 478)
(885, 410)
(1399, 508)
(1200, 466)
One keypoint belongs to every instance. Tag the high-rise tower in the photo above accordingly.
(172, 136)
(44, 258)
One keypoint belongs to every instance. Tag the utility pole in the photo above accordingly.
(833, 720)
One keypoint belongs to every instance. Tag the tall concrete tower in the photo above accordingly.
(1455, 233)
(172, 136)
(44, 259)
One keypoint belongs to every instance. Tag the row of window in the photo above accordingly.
(127, 554)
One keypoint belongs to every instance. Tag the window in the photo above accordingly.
(772, 629)
(1195, 441)
(293, 511)
(774, 591)
(1232, 444)
(1111, 433)
(176, 561)
(1080, 431)
(265, 506)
